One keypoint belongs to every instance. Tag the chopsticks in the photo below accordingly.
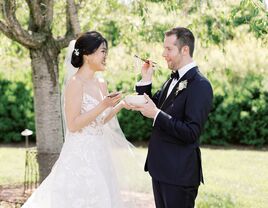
(145, 60)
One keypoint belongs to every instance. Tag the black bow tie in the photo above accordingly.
(175, 75)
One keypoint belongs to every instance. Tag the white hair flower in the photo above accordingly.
(76, 52)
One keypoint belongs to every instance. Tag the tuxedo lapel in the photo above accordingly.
(164, 90)
(170, 97)
(188, 76)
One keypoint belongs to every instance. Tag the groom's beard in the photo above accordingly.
(172, 66)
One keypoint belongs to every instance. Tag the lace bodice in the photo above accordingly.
(95, 127)
(88, 103)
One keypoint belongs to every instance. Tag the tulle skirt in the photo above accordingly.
(96, 169)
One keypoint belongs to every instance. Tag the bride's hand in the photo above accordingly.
(125, 105)
(110, 100)
(147, 71)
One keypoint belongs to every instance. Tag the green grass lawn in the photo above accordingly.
(233, 177)
(12, 161)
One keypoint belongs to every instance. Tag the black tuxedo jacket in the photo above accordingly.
(173, 153)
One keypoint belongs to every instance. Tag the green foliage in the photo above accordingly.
(155, 32)
(240, 112)
(111, 31)
(217, 29)
(134, 125)
(16, 110)
(177, 5)
(252, 13)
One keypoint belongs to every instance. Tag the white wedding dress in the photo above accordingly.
(91, 171)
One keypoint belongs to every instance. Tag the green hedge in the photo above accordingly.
(239, 114)
(134, 125)
(16, 110)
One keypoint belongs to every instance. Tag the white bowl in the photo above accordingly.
(135, 99)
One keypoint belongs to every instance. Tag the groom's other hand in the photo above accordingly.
(147, 72)
(149, 109)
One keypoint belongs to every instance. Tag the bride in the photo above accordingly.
(96, 166)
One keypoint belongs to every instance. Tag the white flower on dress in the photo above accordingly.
(182, 85)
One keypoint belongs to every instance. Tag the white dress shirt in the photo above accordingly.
(182, 71)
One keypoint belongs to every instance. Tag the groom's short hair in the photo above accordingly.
(184, 36)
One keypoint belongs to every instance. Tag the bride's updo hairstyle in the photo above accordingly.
(86, 44)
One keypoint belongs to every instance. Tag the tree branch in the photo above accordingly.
(41, 14)
(35, 13)
(63, 42)
(72, 25)
(72, 17)
(4, 29)
(49, 14)
(14, 30)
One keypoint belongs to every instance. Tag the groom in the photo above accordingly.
(179, 111)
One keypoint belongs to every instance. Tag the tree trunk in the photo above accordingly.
(47, 106)
(44, 52)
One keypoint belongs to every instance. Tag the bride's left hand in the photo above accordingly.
(125, 105)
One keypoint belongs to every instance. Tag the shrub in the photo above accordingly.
(16, 110)
(134, 125)
(239, 114)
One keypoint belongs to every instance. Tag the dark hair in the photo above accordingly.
(184, 36)
(87, 43)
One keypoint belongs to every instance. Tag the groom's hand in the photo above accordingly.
(147, 72)
(149, 109)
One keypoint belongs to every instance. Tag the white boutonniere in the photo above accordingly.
(182, 85)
